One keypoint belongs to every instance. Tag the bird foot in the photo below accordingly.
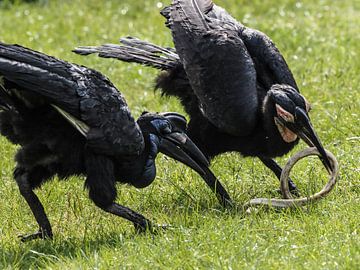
(154, 229)
(161, 227)
(227, 203)
(41, 234)
(293, 189)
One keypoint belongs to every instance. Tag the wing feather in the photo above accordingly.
(83, 96)
(271, 67)
(219, 68)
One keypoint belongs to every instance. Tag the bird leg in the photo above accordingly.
(102, 191)
(45, 231)
(141, 223)
(272, 165)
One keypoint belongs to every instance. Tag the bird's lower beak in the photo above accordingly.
(303, 128)
(179, 147)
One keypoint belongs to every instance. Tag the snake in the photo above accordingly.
(288, 200)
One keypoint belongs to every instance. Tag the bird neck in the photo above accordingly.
(140, 171)
(150, 152)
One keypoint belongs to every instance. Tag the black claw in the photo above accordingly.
(148, 227)
(292, 187)
(162, 227)
(42, 234)
(226, 203)
(143, 227)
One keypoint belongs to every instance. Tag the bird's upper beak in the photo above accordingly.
(178, 146)
(303, 128)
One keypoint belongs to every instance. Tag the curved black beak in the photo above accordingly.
(179, 147)
(303, 128)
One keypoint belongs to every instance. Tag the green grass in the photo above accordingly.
(319, 39)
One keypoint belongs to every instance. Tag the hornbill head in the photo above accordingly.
(167, 130)
(292, 119)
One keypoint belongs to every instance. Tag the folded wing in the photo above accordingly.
(218, 65)
(83, 96)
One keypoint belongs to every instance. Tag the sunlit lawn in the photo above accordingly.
(319, 39)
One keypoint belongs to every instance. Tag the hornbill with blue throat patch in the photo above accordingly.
(232, 80)
(71, 120)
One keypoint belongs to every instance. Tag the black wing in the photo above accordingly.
(83, 96)
(218, 65)
(271, 67)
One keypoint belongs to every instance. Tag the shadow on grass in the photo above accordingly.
(40, 253)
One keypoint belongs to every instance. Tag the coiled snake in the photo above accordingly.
(288, 200)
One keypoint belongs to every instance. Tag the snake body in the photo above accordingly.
(288, 200)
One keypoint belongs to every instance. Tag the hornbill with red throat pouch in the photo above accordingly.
(232, 81)
(71, 120)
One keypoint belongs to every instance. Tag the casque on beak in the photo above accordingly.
(303, 128)
(178, 146)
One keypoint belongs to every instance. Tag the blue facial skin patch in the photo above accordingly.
(149, 171)
(161, 126)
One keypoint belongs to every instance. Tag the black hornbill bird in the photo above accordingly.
(71, 120)
(232, 80)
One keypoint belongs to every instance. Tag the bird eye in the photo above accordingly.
(166, 128)
(161, 126)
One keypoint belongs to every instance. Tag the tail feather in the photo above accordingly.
(150, 47)
(134, 50)
(171, 82)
